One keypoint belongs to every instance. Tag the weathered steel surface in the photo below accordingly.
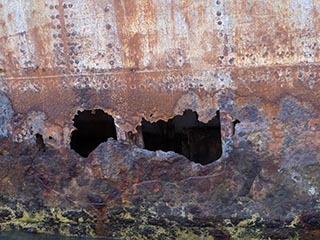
(256, 61)
(129, 50)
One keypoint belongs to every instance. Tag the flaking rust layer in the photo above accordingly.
(254, 61)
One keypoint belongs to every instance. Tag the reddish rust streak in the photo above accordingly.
(10, 18)
(64, 34)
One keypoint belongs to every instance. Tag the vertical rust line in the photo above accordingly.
(117, 12)
(64, 35)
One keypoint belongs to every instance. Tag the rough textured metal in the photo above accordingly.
(255, 61)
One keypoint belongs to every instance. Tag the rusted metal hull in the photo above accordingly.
(255, 61)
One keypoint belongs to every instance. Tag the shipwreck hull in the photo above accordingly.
(255, 62)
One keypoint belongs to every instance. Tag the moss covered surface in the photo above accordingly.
(124, 222)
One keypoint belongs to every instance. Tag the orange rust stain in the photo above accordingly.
(42, 49)
(156, 187)
(314, 124)
(211, 55)
(10, 17)
(150, 15)
(11, 64)
(134, 53)
(277, 138)
(45, 96)
(137, 29)
(2, 23)
(126, 13)
(316, 20)
(63, 33)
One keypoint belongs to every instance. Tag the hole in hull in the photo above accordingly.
(40, 143)
(185, 135)
(234, 123)
(92, 128)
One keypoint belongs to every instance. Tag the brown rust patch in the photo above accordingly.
(10, 18)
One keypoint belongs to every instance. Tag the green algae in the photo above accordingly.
(79, 222)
